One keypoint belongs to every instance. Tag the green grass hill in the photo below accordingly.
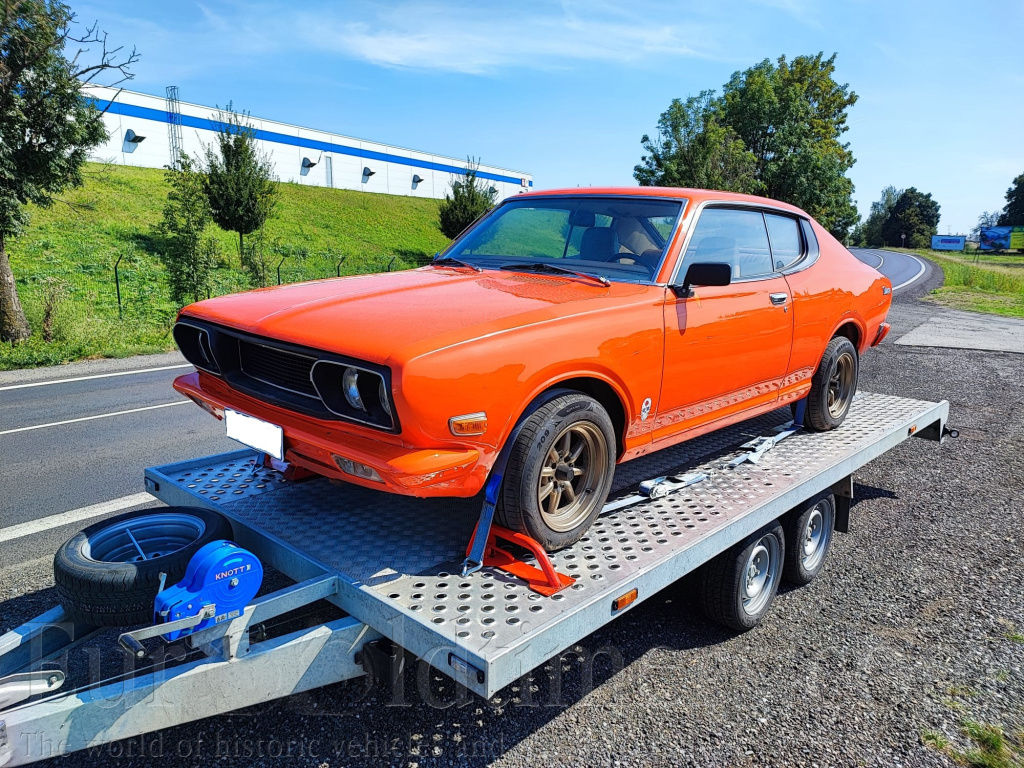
(67, 255)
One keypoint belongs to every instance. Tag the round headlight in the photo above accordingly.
(382, 393)
(350, 385)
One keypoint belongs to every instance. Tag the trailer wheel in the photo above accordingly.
(809, 533)
(738, 586)
(833, 386)
(559, 472)
(108, 574)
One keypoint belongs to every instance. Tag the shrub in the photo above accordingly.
(468, 200)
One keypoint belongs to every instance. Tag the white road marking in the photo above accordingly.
(915, 277)
(94, 376)
(878, 256)
(90, 418)
(74, 516)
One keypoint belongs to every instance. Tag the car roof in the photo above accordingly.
(695, 196)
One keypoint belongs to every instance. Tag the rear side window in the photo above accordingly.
(784, 233)
(735, 237)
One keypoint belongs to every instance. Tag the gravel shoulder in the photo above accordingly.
(910, 628)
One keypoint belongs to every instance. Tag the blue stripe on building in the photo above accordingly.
(205, 124)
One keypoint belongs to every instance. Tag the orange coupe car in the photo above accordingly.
(595, 325)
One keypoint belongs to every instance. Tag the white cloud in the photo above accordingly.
(480, 37)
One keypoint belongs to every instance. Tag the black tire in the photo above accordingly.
(820, 416)
(105, 593)
(722, 581)
(581, 418)
(809, 531)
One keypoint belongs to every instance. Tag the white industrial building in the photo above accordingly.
(142, 129)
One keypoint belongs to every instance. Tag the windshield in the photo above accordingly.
(622, 239)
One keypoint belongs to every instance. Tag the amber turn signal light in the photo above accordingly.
(470, 424)
(622, 601)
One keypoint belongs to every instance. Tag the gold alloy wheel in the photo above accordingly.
(840, 386)
(572, 470)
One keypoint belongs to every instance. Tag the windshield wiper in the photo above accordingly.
(452, 261)
(541, 266)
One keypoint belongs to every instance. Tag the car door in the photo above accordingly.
(727, 347)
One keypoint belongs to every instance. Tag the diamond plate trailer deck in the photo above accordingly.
(399, 559)
(393, 564)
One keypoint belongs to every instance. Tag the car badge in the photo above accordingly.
(645, 409)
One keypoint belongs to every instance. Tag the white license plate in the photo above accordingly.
(256, 433)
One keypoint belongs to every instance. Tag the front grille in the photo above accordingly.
(285, 370)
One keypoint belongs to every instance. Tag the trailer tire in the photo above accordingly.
(809, 530)
(738, 586)
(102, 582)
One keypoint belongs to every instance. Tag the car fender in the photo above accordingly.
(847, 318)
(543, 385)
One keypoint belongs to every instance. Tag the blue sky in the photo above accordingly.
(566, 90)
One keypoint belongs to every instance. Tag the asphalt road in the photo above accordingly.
(54, 467)
(901, 268)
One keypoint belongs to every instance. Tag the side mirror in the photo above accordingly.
(705, 273)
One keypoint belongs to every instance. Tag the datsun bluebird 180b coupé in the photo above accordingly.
(608, 323)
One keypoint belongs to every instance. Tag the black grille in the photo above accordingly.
(277, 367)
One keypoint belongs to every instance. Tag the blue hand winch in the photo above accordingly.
(222, 574)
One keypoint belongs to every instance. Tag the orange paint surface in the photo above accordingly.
(459, 342)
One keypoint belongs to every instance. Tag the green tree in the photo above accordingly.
(47, 127)
(188, 254)
(869, 232)
(986, 219)
(694, 149)
(915, 215)
(786, 119)
(1013, 213)
(467, 201)
(240, 181)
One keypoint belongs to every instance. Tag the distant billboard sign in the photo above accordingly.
(948, 242)
(1001, 239)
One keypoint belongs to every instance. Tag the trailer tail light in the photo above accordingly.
(622, 601)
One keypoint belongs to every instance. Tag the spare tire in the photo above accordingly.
(109, 574)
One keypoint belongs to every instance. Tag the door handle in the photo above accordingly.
(778, 299)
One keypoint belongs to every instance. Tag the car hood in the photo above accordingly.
(384, 317)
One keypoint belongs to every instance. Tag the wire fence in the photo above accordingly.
(131, 286)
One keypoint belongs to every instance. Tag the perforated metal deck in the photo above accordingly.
(399, 558)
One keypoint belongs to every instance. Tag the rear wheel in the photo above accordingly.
(737, 587)
(559, 472)
(833, 386)
(809, 533)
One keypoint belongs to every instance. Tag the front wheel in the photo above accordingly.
(833, 386)
(559, 472)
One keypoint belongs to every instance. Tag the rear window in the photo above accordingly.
(784, 232)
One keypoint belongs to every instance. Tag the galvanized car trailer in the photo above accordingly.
(393, 565)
